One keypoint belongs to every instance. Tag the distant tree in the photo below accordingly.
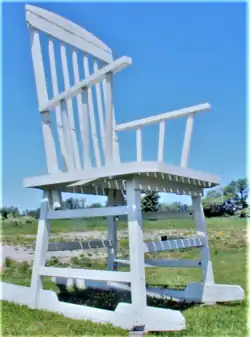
(150, 202)
(240, 189)
(35, 213)
(9, 211)
(74, 203)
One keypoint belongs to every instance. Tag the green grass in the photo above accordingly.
(228, 248)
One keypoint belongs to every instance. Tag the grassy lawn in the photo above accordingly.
(229, 255)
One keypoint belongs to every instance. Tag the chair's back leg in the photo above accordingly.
(42, 241)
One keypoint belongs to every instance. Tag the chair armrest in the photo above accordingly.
(98, 76)
(162, 117)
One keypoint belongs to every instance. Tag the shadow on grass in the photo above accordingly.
(109, 299)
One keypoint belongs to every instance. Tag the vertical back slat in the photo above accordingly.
(92, 114)
(59, 125)
(67, 136)
(85, 132)
(82, 107)
(70, 108)
(116, 153)
(187, 140)
(100, 108)
(161, 140)
(139, 145)
(42, 96)
(109, 121)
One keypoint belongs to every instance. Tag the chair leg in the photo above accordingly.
(137, 269)
(41, 249)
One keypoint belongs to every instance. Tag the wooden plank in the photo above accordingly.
(201, 228)
(109, 121)
(67, 136)
(82, 108)
(139, 145)
(42, 240)
(100, 107)
(158, 246)
(161, 141)
(116, 150)
(79, 245)
(94, 78)
(102, 275)
(162, 117)
(66, 31)
(42, 95)
(188, 176)
(176, 263)
(187, 140)
(88, 213)
(136, 253)
(92, 114)
(72, 130)
(59, 124)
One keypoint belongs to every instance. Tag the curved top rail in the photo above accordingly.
(35, 14)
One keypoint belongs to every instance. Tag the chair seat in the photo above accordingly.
(151, 175)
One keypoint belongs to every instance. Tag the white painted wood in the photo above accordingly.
(109, 121)
(68, 32)
(42, 96)
(85, 130)
(161, 141)
(112, 233)
(72, 129)
(200, 222)
(194, 178)
(67, 135)
(162, 117)
(94, 78)
(151, 182)
(87, 212)
(118, 276)
(82, 108)
(40, 250)
(59, 124)
(56, 199)
(214, 293)
(92, 114)
(176, 263)
(158, 319)
(116, 152)
(187, 140)
(158, 246)
(136, 253)
(100, 108)
(139, 145)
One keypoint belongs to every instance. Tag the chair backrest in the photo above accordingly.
(63, 54)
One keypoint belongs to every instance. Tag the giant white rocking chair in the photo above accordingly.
(72, 167)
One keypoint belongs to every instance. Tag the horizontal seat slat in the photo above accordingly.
(78, 245)
(189, 242)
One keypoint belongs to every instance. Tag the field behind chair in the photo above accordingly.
(228, 241)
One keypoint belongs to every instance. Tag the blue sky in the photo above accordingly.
(183, 54)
